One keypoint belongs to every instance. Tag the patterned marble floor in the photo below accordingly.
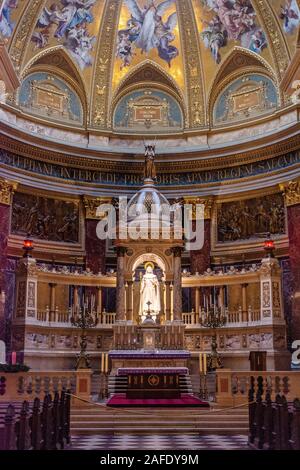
(159, 442)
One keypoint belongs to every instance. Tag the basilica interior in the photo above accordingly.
(192, 106)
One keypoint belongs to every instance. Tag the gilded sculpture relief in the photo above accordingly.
(251, 218)
(45, 218)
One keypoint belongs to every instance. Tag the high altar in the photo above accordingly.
(149, 333)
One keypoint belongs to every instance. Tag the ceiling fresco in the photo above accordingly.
(152, 31)
(10, 11)
(222, 25)
(148, 30)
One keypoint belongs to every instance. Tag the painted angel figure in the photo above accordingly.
(75, 13)
(147, 30)
(290, 15)
(70, 20)
(214, 37)
(6, 24)
(80, 45)
(71, 14)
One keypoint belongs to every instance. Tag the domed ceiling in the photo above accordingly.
(149, 66)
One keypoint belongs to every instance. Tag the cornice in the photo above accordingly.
(209, 146)
(135, 165)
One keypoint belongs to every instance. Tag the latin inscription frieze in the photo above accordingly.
(106, 177)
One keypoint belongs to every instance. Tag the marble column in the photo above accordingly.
(99, 303)
(52, 302)
(168, 301)
(94, 247)
(291, 192)
(221, 297)
(293, 213)
(6, 192)
(244, 303)
(200, 259)
(197, 304)
(120, 294)
(177, 284)
(129, 302)
(75, 296)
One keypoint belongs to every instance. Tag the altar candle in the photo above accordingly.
(106, 363)
(204, 363)
(102, 362)
(14, 358)
(200, 363)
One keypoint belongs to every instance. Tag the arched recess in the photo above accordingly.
(148, 74)
(57, 61)
(238, 62)
(154, 256)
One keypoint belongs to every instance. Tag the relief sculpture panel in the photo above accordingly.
(251, 218)
(45, 218)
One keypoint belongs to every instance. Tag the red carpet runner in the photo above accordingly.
(120, 400)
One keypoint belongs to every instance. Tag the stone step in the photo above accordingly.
(123, 388)
(99, 410)
(162, 430)
(157, 424)
(95, 421)
(139, 419)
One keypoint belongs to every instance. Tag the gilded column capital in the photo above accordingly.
(291, 192)
(7, 189)
(92, 204)
(207, 202)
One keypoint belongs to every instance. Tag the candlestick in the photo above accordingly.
(200, 363)
(106, 363)
(14, 358)
(204, 363)
(102, 362)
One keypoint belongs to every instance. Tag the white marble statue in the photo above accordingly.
(149, 294)
(2, 352)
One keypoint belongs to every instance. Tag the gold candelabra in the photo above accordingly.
(84, 318)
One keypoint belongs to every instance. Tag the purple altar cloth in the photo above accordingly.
(152, 370)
